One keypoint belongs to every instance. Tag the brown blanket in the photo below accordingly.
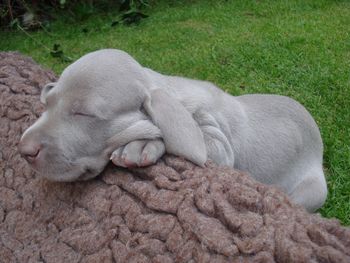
(170, 212)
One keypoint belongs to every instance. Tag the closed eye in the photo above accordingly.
(83, 114)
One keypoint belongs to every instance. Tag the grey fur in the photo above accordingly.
(107, 106)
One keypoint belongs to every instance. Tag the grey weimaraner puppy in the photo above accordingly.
(107, 106)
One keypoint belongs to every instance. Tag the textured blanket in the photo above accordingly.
(170, 212)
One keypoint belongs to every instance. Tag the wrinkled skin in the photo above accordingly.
(107, 106)
(94, 113)
(82, 113)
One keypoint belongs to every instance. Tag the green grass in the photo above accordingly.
(298, 48)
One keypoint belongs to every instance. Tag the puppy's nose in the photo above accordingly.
(29, 150)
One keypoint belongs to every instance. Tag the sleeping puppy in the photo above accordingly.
(107, 106)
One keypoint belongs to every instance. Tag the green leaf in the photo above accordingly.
(14, 23)
(133, 17)
(57, 52)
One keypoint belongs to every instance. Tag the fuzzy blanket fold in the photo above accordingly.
(170, 212)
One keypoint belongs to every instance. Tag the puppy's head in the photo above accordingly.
(96, 97)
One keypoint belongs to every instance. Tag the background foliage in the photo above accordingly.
(36, 14)
(298, 48)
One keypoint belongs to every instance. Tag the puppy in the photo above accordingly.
(107, 106)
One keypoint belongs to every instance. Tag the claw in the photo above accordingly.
(117, 160)
(144, 161)
(129, 164)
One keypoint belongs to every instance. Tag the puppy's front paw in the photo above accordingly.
(138, 153)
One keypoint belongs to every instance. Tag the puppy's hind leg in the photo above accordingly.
(138, 153)
(311, 192)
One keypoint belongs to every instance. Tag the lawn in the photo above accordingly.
(296, 48)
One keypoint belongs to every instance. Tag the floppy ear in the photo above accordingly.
(181, 134)
(45, 91)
